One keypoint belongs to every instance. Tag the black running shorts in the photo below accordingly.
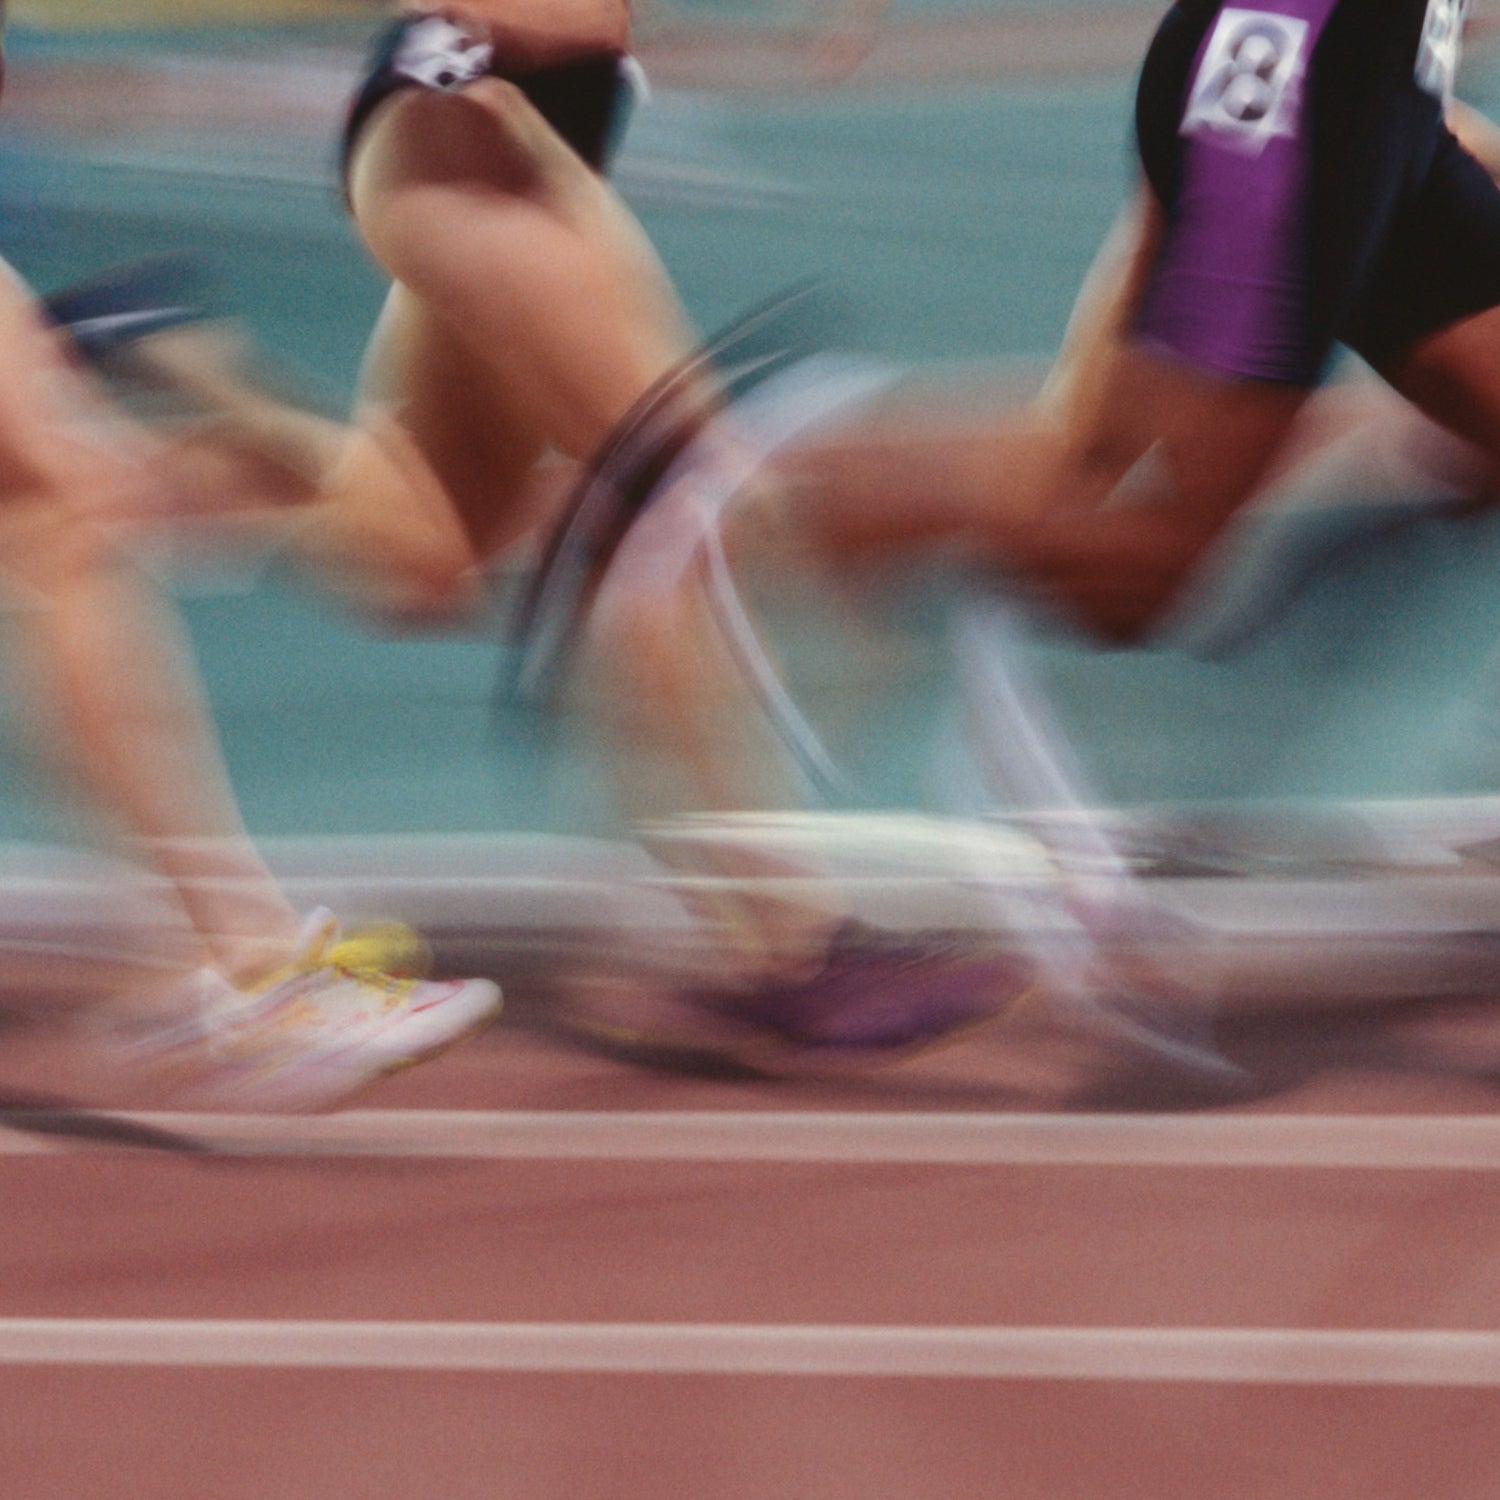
(586, 100)
(1313, 193)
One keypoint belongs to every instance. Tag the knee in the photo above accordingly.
(384, 529)
(403, 594)
(420, 605)
(1117, 581)
(1122, 618)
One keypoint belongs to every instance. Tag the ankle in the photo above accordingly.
(246, 961)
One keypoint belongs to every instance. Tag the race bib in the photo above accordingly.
(439, 55)
(1438, 53)
(1249, 85)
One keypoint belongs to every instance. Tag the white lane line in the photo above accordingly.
(1377, 1142)
(1271, 1356)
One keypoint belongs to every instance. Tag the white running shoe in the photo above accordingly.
(327, 1025)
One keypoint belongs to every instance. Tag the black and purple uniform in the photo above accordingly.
(586, 100)
(1313, 192)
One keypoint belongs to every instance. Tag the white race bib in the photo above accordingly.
(1249, 84)
(1442, 39)
(436, 53)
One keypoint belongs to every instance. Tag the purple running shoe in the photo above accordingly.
(878, 996)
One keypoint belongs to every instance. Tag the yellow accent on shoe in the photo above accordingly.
(390, 948)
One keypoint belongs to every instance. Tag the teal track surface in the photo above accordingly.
(957, 224)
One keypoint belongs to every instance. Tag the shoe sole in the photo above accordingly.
(416, 1059)
(249, 1099)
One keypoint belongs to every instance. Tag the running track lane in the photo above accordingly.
(1039, 1308)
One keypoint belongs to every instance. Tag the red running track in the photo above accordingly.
(593, 1325)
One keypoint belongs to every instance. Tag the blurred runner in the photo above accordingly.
(1309, 182)
(277, 1010)
(529, 331)
(527, 314)
(529, 325)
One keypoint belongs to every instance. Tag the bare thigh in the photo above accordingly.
(1453, 376)
(474, 205)
(445, 417)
